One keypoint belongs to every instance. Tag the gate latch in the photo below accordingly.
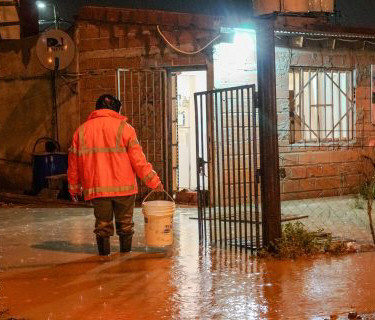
(201, 163)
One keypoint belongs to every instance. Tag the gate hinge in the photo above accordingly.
(258, 175)
(256, 101)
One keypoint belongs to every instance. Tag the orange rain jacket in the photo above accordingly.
(103, 157)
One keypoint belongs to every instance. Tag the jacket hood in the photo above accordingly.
(106, 113)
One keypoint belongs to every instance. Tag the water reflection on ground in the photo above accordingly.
(49, 270)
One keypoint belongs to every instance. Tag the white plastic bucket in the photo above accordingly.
(158, 217)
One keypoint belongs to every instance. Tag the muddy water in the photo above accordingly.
(49, 270)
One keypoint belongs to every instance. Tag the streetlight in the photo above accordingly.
(42, 5)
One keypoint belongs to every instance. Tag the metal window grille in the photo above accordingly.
(322, 106)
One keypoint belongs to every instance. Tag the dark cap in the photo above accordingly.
(107, 101)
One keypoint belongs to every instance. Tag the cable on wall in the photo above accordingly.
(186, 52)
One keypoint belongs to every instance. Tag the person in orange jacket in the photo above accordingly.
(104, 159)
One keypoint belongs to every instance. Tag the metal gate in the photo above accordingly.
(143, 96)
(228, 167)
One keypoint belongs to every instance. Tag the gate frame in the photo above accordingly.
(206, 105)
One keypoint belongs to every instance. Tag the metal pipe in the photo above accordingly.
(223, 165)
(234, 170)
(228, 168)
(197, 140)
(219, 175)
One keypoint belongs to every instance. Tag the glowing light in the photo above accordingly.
(41, 4)
(50, 60)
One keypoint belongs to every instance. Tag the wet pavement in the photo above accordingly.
(49, 270)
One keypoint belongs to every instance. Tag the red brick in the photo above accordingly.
(352, 180)
(106, 30)
(344, 156)
(95, 64)
(184, 19)
(99, 82)
(88, 31)
(297, 172)
(290, 159)
(307, 185)
(329, 170)
(328, 183)
(98, 44)
(314, 157)
(314, 171)
(113, 14)
(301, 195)
(360, 93)
(290, 186)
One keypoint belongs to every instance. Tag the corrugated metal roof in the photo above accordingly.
(312, 33)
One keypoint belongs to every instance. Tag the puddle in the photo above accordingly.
(48, 270)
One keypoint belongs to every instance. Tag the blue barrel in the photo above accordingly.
(47, 164)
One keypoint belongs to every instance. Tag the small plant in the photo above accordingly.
(296, 241)
(367, 192)
(359, 203)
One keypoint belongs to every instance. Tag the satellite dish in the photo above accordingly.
(55, 49)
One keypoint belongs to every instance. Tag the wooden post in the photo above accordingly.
(269, 150)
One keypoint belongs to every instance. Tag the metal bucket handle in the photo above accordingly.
(56, 143)
(144, 200)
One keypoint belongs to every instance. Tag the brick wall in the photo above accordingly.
(326, 170)
(114, 38)
(26, 111)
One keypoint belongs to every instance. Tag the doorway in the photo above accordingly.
(184, 85)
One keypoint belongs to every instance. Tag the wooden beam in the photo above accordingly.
(9, 4)
(8, 24)
(40, 202)
(269, 149)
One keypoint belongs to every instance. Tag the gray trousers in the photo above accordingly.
(119, 207)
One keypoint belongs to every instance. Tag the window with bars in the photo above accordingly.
(321, 103)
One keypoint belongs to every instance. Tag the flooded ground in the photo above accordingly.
(49, 270)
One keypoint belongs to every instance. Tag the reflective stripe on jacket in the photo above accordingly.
(105, 156)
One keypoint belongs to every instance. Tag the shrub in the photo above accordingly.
(296, 241)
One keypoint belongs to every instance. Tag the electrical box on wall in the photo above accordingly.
(373, 94)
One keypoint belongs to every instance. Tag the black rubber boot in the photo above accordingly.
(104, 246)
(125, 243)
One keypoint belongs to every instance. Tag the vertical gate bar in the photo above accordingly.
(352, 112)
(154, 111)
(131, 92)
(310, 104)
(203, 170)
(340, 121)
(325, 104)
(255, 151)
(346, 107)
(244, 165)
(209, 142)
(252, 173)
(333, 109)
(214, 144)
(140, 136)
(147, 122)
(239, 170)
(228, 170)
(234, 168)
(223, 165)
(218, 146)
(302, 103)
(161, 127)
(197, 141)
(317, 105)
(124, 87)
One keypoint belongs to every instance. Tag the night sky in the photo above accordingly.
(358, 13)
